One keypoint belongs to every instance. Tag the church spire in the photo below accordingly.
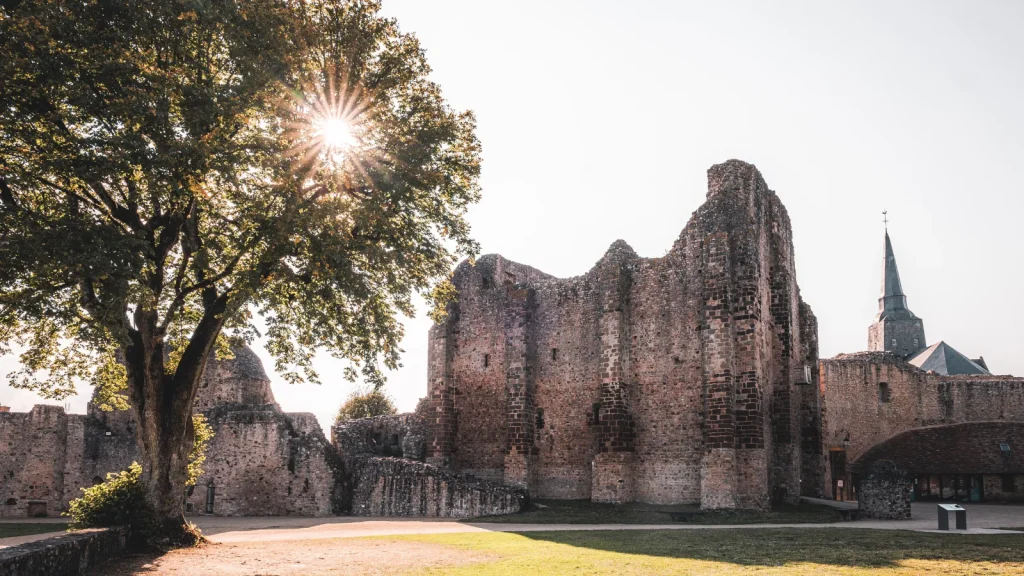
(892, 297)
(896, 329)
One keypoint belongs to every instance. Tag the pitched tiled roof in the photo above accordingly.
(972, 448)
(944, 359)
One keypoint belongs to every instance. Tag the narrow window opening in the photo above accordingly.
(487, 360)
(210, 496)
(883, 392)
(554, 353)
(595, 410)
(540, 419)
(486, 283)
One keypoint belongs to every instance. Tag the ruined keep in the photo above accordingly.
(680, 379)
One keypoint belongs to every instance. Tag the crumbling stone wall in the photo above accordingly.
(399, 435)
(384, 486)
(261, 461)
(32, 454)
(235, 381)
(885, 492)
(869, 397)
(97, 443)
(383, 459)
(664, 380)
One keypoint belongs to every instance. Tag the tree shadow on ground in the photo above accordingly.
(588, 512)
(779, 546)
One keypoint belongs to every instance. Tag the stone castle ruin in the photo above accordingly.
(689, 379)
(665, 380)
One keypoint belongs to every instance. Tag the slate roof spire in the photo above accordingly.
(895, 329)
(892, 298)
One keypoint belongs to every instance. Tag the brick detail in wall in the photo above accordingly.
(440, 415)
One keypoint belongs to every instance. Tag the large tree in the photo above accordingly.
(177, 173)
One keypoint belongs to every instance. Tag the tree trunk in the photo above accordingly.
(163, 409)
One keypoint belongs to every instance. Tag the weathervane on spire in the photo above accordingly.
(885, 219)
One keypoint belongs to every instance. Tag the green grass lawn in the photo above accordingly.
(587, 512)
(9, 529)
(732, 551)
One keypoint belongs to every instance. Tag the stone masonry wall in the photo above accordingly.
(260, 462)
(885, 492)
(32, 453)
(399, 435)
(65, 555)
(384, 486)
(383, 459)
(858, 412)
(993, 488)
(664, 380)
(913, 398)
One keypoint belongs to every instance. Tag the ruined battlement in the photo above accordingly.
(664, 380)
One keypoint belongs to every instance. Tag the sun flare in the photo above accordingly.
(331, 127)
(336, 134)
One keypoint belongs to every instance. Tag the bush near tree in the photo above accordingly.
(177, 173)
(120, 500)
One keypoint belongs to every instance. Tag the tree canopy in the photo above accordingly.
(163, 159)
(173, 173)
(366, 404)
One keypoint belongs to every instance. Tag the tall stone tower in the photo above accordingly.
(896, 329)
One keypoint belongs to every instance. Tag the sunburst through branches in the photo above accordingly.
(330, 129)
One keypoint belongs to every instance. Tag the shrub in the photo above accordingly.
(119, 501)
(362, 404)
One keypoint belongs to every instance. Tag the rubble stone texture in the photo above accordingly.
(663, 380)
(383, 457)
(885, 492)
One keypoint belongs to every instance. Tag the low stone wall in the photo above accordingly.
(68, 555)
(384, 486)
(885, 492)
(399, 435)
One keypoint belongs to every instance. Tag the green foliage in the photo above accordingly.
(161, 181)
(366, 404)
(202, 434)
(118, 501)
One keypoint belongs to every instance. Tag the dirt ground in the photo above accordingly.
(308, 557)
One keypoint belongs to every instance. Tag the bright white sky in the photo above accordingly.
(599, 120)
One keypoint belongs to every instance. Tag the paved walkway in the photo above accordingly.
(982, 518)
